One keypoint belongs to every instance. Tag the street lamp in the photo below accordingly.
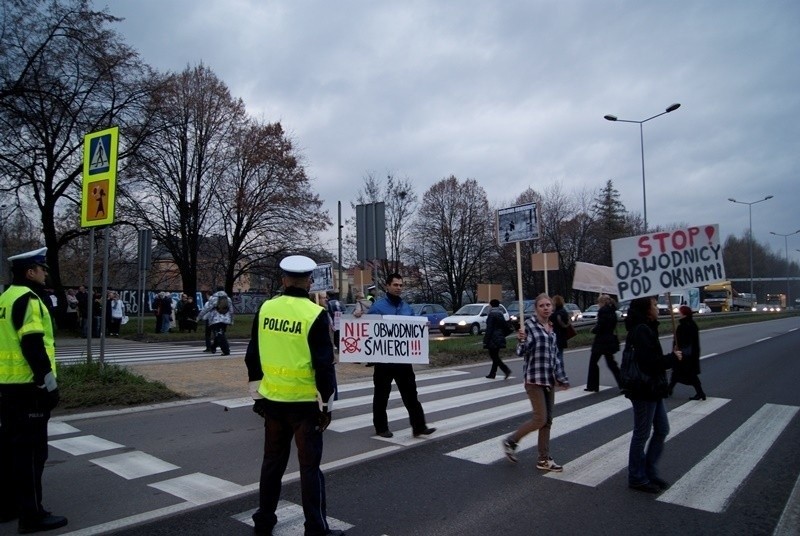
(786, 245)
(750, 210)
(609, 117)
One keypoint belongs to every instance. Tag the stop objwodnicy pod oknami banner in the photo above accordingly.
(665, 261)
(384, 339)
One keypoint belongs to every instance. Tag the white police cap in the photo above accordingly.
(371, 287)
(298, 266)
(35, 257)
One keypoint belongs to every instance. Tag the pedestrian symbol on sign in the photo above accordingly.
(99, 149)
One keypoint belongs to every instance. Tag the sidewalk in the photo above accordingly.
(223, 377)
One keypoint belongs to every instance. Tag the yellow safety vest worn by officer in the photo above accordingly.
(283, 327)
(14, 369)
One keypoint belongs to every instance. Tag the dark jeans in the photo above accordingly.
(643, 464)
(23, 450)
(284, 421)
(403, 376)
(593, 381)
(220, 338)
(208, 335)
(494, 353)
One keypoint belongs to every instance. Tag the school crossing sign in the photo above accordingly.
(99, 177)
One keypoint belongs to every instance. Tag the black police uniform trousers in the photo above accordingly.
(24, 412)
(284, 421)
(403, 376)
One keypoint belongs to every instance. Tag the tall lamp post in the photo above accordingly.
(610, 117)
(786, 245)
(750, 241)
(2, 243)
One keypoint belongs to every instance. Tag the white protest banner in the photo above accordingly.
(384, 339)
(665, 261)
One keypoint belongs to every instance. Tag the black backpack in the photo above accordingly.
(222, 305)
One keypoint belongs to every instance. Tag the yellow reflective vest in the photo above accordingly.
(14, 369)
(283, 327)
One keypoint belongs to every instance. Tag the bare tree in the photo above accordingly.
(175, 178)
(64, 74)
(453, 233)
(266, 200)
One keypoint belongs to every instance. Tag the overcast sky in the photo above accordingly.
(513, 93)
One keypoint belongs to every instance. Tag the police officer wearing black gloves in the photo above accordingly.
(293, 382)
(28, 392)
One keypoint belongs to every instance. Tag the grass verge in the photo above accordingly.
(86, 385)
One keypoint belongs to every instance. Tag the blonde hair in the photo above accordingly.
(541, 297)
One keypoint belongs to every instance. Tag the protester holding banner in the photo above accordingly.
(543, 369)
(605, 343)
(649, 411)
(401, 373)
(687, 337)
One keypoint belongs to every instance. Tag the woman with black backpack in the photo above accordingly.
(218, 312)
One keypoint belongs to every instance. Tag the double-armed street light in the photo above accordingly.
(750, 241)
(786, 245)
(610, 117)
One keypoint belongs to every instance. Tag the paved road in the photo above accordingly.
(192, 469)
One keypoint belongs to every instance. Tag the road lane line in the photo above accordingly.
(711, 484)
(764, 339)
(595, 467)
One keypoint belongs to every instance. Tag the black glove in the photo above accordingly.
(51, 399)
(260, 407)
(323, 420)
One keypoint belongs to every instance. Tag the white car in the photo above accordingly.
(469, 319)
(590, 313)
(703, 309)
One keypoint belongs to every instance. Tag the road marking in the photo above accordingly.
(290, 520)
(490, 451)
(595, 467)
(84, 445)
(199, 488)
(708, 355)
(55, 428)
(239, 402)
(711, 484)
(136, 464)
(764, 339)
(789, 523)
(364, 420)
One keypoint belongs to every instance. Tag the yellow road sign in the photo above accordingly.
(99, 177)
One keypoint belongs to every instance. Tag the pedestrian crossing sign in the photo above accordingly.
(99, 177)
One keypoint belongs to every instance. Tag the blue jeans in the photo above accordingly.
(166, 320)
(647, 415)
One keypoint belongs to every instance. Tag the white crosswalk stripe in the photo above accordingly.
(710, 484)
(602, 463)
(490, 451)
(132, 352)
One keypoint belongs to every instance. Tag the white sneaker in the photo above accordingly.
(549, 465)
(510, 448)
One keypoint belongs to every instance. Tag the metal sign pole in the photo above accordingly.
(89, 321)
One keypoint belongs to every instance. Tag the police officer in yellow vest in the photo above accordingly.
(28, 392)
(293, 382)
